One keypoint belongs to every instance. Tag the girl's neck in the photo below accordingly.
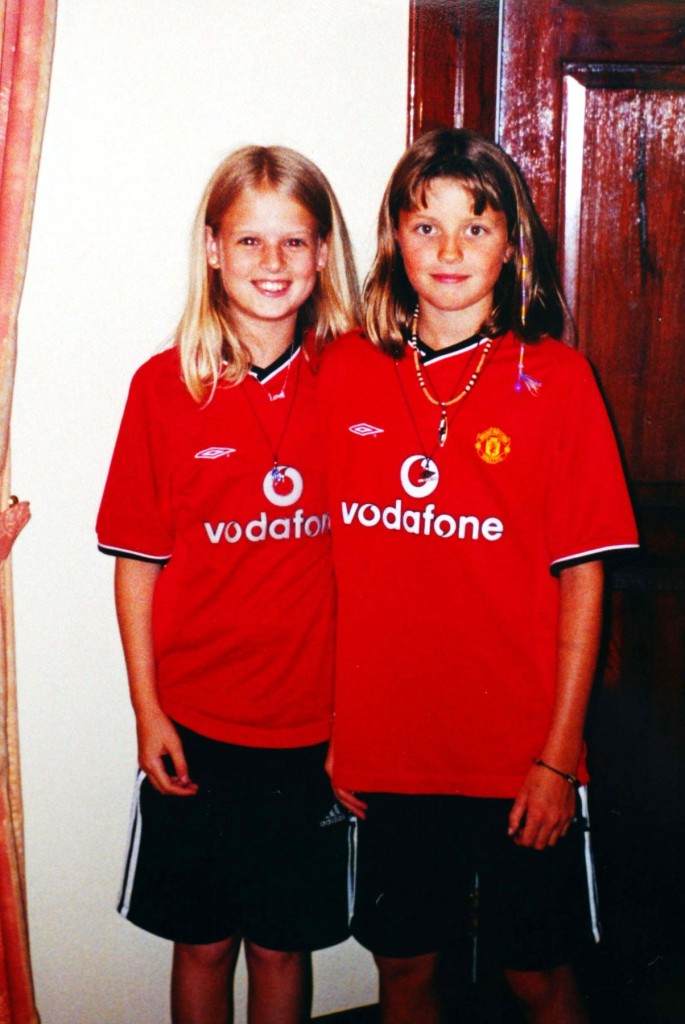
(271, 342)
(440, 329)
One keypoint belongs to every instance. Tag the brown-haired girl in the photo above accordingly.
(216, 511)
(475, 487)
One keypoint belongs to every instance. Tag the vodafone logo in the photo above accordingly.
(283, 486)
(419, 476)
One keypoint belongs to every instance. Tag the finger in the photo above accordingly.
(180, 768)
(168, 785)
(175, 751)
(554, 836)
(516, 815)
(545, 837)
(351, 801)
(173, 788)
(531, 834)
(353, 805)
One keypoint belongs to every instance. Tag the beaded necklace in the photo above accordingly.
(434, 398)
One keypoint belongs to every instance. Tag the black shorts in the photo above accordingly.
(438, 872)
(259, 851)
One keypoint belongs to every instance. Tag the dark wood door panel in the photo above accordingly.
(651, 30)
(538, 38)
(452, 64)
(622, 246)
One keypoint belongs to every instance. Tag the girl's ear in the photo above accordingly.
(322, 249)
(508, 253)
(211, 248)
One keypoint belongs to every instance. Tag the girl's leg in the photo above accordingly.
(202, 982)
(279, 986)
(409, 989)
(548, 997)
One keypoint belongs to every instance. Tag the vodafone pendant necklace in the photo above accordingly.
(429, 470)
(279, 472)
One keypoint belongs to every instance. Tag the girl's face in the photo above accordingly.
(268, 252)
(453, 256)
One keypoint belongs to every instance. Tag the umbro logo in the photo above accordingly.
(365, 430)
(215, 453)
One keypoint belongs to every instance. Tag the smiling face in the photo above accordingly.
(453, 257)
(268, 253)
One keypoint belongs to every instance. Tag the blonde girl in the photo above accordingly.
(215, 510)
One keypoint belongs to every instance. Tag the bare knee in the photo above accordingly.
(411, 971)
(215, 956)
(260, 958)
(201, 981)
(548, 995)
(531, 987)
(409, 990)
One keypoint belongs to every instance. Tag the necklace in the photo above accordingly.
(257, 373)
(278, 472)
(428, 467)
(284, 387)
(435, 399)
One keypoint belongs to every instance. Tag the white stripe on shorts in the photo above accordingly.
(351, 865)
(132, 848)
(593, 900)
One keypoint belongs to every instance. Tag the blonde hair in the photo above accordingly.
(209, 348)
(494, 180)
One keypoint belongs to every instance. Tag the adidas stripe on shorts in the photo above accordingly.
(259, 851)
(436, 872)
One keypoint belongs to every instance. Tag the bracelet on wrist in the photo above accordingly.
(571, 779)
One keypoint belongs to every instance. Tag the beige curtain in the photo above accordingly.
(26, 45)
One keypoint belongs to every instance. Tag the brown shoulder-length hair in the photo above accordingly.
(209, 347)
(493, 180)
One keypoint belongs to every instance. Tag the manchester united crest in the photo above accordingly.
(493, 445)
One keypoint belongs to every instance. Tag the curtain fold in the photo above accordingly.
(26, 46)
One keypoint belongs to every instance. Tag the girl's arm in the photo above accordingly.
(545, 806)
(134, 584)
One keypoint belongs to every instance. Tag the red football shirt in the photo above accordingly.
(447, 598)
(243, 609)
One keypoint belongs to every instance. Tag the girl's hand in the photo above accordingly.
(351, 801)
(346, 797)
(157, 737)
(543, 810)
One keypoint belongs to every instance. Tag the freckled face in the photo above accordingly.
(453, 256)
(268, 252)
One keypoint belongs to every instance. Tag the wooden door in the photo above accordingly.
(592, 107)
(590, 102)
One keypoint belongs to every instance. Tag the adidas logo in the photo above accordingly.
(335, 815)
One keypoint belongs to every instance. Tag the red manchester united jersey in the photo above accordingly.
(243, 609)
(446, 555)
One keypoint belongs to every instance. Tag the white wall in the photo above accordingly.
(146, 97)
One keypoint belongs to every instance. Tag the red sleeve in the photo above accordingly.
(589, 509)
(133, 520)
